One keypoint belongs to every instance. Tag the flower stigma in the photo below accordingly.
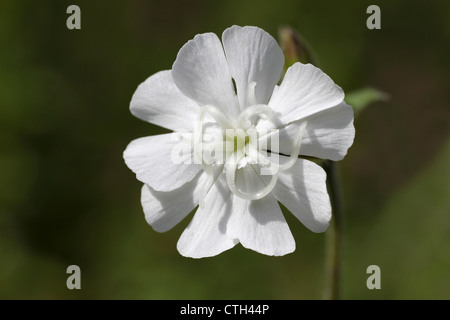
(233, 144)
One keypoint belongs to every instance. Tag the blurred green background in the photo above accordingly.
(66, 196)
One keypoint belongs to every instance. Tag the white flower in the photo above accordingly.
(262, 128)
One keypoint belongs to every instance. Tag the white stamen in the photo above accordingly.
(198, 141)
(230, 175)
(295, 148)
(217, 115)
(251, 98)
(263, 112)
(240, 155)
(295, 152)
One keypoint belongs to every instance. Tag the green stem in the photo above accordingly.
(295, 49)
(333, 245)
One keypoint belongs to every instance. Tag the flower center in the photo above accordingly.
(236, 140)
(233, 144)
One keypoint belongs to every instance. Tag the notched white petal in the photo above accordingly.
(328, 135)
(201, 72)
(152, 160)
(206, 235)
(305, 90)
(302, 190)
(253, 56)
(164, 210)
(259, 225)
(159, 101)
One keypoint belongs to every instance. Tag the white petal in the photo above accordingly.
(305, 90)
(206, 235)
(164, 210)
(302, 190)
(259, 225)
(201, 72)
(328, 134)
(253, 56)
(158, 100)
(152, 160)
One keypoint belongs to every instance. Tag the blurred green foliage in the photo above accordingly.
(360, 99)
(66, 196)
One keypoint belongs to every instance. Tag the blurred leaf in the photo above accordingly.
(361, 98)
